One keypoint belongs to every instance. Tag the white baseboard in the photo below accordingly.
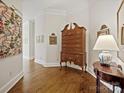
(90, 71)
(11, 83)
(52, 64)
(56, 64)
(27, 58)
(72, 66)
(47, 64)
(42, 62)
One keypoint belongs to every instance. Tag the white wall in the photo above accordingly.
(17, 4)
(102, 12)
(28, 39)
(45, 24)
(40, 45)
(53, 21)
(52, 17)
(32, 39)
(54, 24)
(10, 67)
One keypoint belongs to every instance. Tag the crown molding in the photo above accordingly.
(55, 12)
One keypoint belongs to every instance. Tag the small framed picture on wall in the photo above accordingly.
(103, 31)
(53, 39)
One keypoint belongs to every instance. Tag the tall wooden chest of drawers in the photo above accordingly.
(74, 45)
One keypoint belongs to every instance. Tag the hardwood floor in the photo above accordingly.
(38, 79)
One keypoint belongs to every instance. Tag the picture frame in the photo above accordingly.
(122, 35)
(120, 31)
(103, 31)
(53, 39)
(10, 31)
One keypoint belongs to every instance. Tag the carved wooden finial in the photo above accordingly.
(66, 27)
(76, 25)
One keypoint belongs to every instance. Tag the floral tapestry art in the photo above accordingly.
(10, 31)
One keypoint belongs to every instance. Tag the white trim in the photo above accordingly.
(56, 64)
(90, 71)
(11, 83)
(47, 64)
(73, 66)
(52, 64)
(27, 58)
(42, 62)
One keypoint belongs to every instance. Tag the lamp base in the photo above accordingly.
(105, 58)
(104, 64)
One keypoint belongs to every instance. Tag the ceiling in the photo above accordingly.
(33, 6)
(54, 3)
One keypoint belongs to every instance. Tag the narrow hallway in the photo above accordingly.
(38, 79)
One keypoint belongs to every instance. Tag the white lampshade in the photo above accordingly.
(106, 42)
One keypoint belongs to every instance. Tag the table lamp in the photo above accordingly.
(105, 43)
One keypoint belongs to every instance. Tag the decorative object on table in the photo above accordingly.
(120, 31)
(10, 31)
(104, 30)
(74, 45)
(53, 39)
(111, 75)
(105, 43)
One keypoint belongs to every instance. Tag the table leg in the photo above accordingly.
(122, 90)
(98, 83)
(60, 64)
(113, 88)
(65, 64)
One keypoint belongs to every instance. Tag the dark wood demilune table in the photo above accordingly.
(112, 75)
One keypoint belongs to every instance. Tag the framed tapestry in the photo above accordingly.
(10, 31)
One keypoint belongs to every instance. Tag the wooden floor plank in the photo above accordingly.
(38, 79)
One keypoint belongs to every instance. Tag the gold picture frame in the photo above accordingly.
(103, 31)
(53, 39)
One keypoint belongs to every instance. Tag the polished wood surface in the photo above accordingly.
(112, 70)
(38, 79)
(112, 75)
(74, 45)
